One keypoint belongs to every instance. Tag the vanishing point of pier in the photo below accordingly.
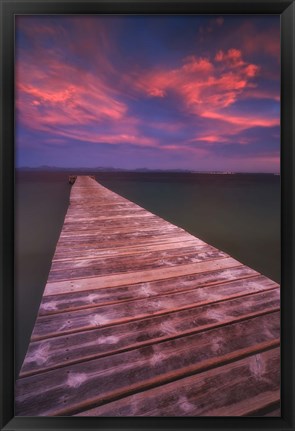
(140, 318)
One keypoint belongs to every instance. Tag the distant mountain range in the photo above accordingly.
(144, 170)
(96, 169)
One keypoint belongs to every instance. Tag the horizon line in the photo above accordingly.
(141, 170)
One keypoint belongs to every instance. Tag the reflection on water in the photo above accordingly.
(239, 214)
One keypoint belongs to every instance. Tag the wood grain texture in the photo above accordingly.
(78, 347)
(168, 244)
(102, 380)
(118, 265)
(140, 318)
(100, 316)
(258, 374)
(77, 300)
(113, 280)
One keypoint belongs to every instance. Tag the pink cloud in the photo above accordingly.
(259, 93)
(256, 40)
(233, 56)
(193, 64)
(268, 43)
(208, 89)
(210, 138)
(244, 122)
(79, 95)
(203, 83)
(71, 101)
(53, 73)
(71, 110)
(66, 123)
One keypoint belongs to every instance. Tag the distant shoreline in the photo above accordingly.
(137, 171)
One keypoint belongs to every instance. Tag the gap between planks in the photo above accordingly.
(89, 283)
(105, 341)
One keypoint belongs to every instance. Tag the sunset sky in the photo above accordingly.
(160, 92)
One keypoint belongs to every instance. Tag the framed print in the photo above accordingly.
(147, 210)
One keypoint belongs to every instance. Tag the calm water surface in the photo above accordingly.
(239, 214)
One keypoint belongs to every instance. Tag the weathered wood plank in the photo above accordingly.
(75, 216)
(124, 264)
(161, 238)
(124, 232)
(71, 301)
(106, 226)
(117, 224)
(170, 244)
(115, 237)
(90, 283)
(78, 347)
(71, 390)
(93, 209)
(100, 230)
(85, 215)
(259, 375)
(138, 259)
(94, 317)
(82, 216)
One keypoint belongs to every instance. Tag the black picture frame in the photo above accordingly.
(10, 8)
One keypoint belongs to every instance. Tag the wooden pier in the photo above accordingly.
(140, 318)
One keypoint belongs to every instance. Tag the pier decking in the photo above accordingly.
(140, 318)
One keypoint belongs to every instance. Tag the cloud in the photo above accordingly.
(203, 83)
(210, 88)
(232, 56)
(243, 122)
(264, 42)
(69, 99)
(75, 83)
(210, 138)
